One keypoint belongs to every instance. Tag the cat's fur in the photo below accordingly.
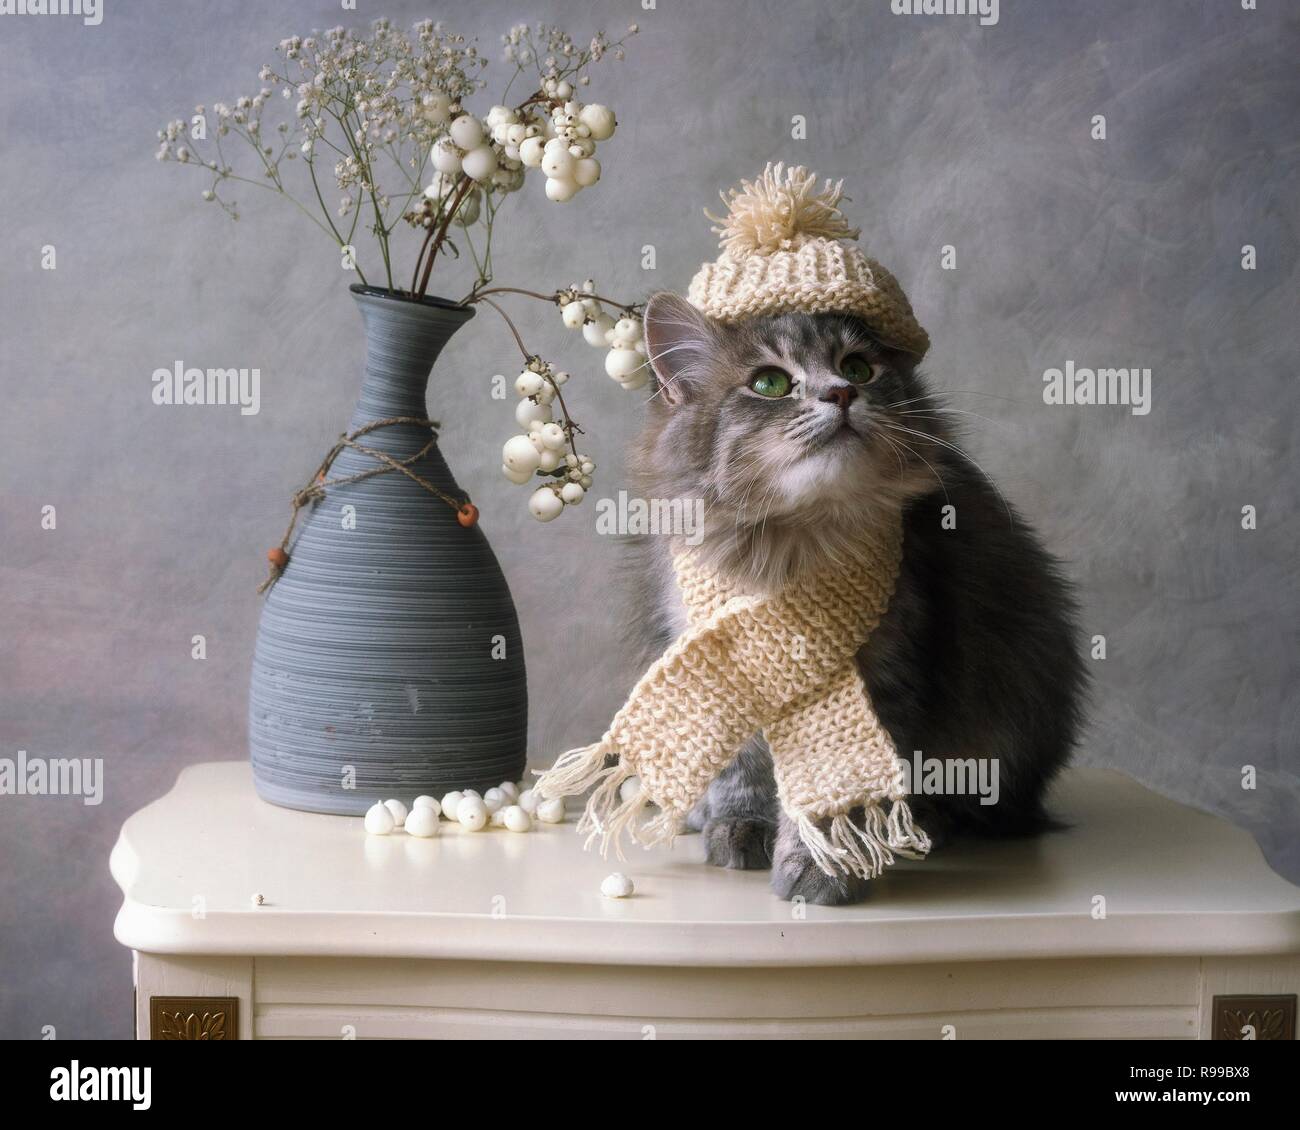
(977, 656)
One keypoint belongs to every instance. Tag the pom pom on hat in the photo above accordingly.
(787, 246)
(780, 211)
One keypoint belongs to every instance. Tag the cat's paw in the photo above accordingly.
(795, 875)
(742, 843)
(698, 816)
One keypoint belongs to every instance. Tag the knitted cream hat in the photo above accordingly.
(786, 246)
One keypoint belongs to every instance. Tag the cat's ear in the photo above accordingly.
(679, 342)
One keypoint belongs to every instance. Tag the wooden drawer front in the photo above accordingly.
(331, 998)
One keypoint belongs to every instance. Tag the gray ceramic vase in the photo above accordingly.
(388, 659)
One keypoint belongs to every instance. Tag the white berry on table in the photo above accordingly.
(551, 811)
(422, 822)
(398, 809)
(379, 820)
(616, 886)
(472, 814)
(516, 819)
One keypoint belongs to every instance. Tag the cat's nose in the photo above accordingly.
(843, 395)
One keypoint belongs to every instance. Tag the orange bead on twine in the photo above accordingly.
(277, 557)
(467, 515)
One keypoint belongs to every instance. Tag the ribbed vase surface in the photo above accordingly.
(388, 659)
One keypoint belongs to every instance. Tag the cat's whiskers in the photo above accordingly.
(683, 371)
(957, 392)
(965, 455)
(766, 507)
(898, 454)
(938, 478)
(927, 413)
(751, 460)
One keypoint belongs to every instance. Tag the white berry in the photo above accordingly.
(422, 822)
(427, 802)
(574, 314)
(553, 436)
(398, 809)
(594, 331)
(531, 150)
(467, 132)
(449, 803)
(379, 821)
(472, 813)
(479, 164)
(561, 190)
(558, 162)
(528, 410)
(435, 107)
(551, 811)
(586, 171)
(529, 800)
(616, 886)
(517, 820)
(572, 493)
(620, 364)
(629, 789)
(600, 120)
(545, 505)
(445, 158)
(520, 454)
(529, 383)
(494, 799)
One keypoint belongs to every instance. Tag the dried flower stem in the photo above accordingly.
(475, 295)
(570, 424)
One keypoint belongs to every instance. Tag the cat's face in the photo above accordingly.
(787, 419)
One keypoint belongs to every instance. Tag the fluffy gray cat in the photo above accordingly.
(798, 431)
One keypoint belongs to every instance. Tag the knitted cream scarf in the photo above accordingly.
(783, 664)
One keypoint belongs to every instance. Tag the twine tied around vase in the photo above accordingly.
(314, 491)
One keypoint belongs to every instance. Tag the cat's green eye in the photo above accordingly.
(772, 383)
(857, 369)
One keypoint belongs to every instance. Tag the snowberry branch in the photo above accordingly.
(539, 451)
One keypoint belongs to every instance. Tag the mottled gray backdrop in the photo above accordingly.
(1122, 252)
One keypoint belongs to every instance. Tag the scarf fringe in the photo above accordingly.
(607, 817)
(843, 847)
(865, 849)
(575, 772)
(905, 837)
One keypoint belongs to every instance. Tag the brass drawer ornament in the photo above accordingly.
(194, 1018)
(1258, 1018)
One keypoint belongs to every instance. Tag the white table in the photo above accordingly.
(507, 935)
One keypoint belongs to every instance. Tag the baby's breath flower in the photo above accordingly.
(382, 100)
